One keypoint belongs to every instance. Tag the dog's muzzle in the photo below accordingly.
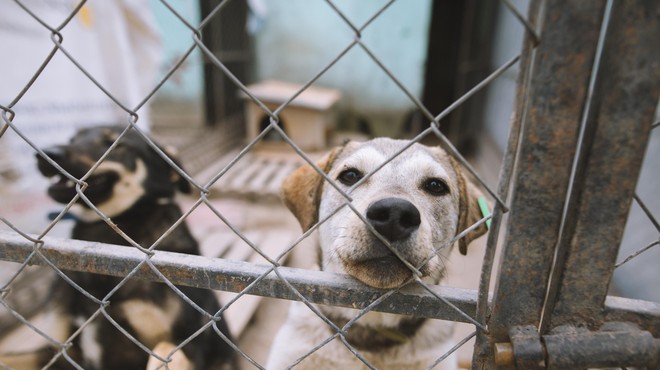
(394, 218)
(62, 189)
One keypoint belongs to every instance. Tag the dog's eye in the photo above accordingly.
(436, 187)
(350, 176)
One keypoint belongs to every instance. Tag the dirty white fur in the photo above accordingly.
(345, 243)
(304, 330)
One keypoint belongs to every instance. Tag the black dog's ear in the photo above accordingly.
(175, 177)
(469, 210)
(301, 190)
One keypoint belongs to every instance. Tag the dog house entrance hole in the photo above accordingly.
(272, 135)
(308, 118)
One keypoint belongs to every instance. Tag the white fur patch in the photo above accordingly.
(152, 323)
(24, 339)
(91, 349)
(126, 192)
(365, 159)
(422, 165)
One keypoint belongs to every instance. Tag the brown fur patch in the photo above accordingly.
(302, 190)
(469, 211)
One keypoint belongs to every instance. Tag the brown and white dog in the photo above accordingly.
(418, 202)
(135, 187)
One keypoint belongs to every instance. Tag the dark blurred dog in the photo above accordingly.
(135, 187)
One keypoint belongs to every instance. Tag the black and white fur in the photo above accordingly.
(135, 187)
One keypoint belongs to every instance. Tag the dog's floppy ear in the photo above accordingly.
(175, 178)
(469, 210)
(301, 190)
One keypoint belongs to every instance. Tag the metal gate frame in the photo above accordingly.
(586, 101)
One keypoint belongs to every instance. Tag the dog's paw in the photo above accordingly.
(179, 359)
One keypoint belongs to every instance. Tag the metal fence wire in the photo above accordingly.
(587, 93)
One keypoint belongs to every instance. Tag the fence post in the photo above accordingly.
(616, 133)
(550, 103)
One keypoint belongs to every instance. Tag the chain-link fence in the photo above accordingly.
(585, 103)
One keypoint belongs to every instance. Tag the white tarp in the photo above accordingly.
(116, 42)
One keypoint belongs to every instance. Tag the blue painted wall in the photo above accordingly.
(296, 39)
(176, 39)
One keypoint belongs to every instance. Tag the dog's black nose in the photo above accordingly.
(394, 218)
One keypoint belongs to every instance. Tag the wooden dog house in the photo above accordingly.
(308, 120)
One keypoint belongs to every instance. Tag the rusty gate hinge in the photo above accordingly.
(566, 347)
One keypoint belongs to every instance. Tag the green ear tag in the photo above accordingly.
(484, 210)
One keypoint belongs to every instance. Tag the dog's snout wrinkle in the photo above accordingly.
(394, 218)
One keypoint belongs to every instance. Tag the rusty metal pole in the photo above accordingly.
(616, 135)
(558, 73)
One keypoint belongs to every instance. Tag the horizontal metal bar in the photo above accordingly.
(645, 314)
(616, 344)
(317, 286)
(234, 276)
(578, 348)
